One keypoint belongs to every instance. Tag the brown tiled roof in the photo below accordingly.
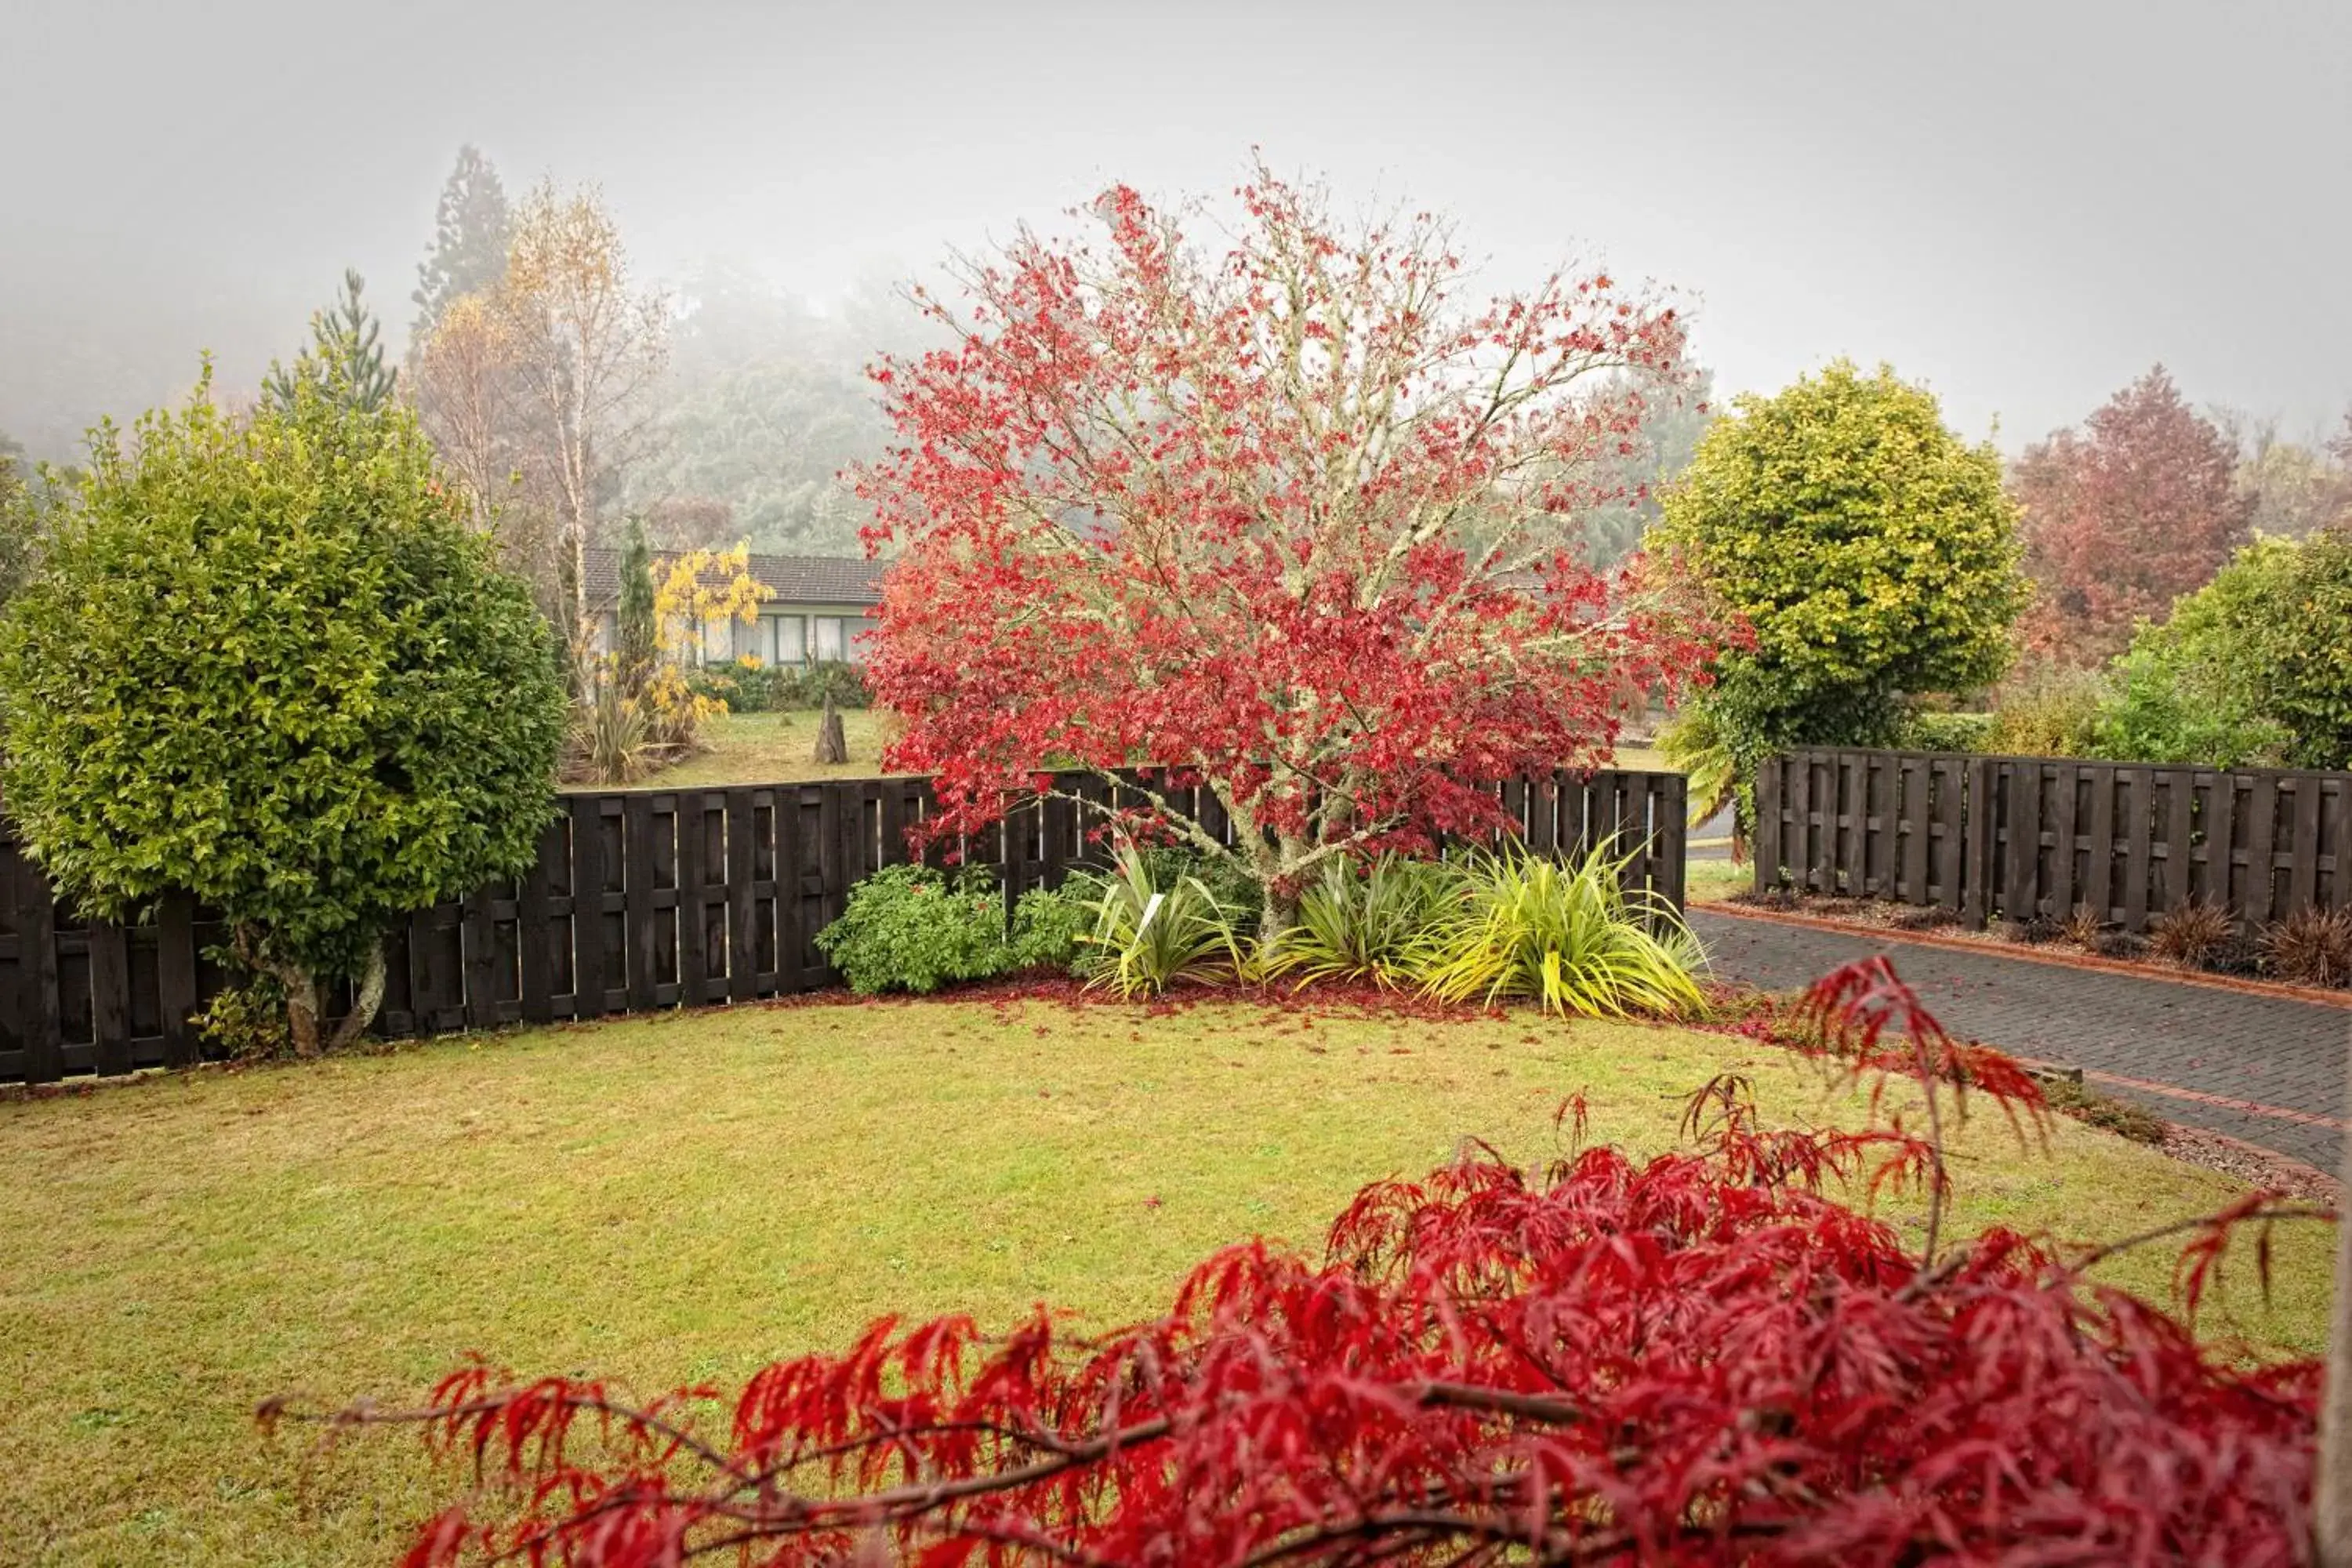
(796, 579)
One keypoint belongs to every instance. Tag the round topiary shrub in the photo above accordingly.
(265, 663)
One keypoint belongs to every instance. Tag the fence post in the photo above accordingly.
(1674, 838)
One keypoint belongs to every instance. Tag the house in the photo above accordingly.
(819, 611)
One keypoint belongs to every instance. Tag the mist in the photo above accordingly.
(2024, 206)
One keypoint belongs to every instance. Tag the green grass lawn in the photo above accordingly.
(773, 748)
(684, 1196)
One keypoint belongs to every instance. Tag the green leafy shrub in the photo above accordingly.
(912, 928)
(245, 1021)
(1951, 732)
(2168, 707)
(1872, 551)
(267, 662)
(747, 688)
(2053, 713)
(1363, 922)
(808, 686)
(1050, 925)
(2249, 669)
(1149, 934)
(1570, 938)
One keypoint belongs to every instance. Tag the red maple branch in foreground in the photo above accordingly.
(1703, 1358)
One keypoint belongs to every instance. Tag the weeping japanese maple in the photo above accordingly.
(1703, 1358)
(1296, 523)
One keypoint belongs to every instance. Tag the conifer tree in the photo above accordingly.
(471, 228)
(345, 355)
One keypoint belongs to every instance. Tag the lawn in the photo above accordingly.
(774, 747)
(683, 1196)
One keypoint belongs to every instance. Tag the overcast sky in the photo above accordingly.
(2022, 204)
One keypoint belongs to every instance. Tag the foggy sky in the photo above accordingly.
(2025, 205)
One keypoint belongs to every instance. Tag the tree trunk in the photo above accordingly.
(831, 745)
(1281, 892)
(365, 1001)
(302, 1008)
(1281, 914)
(2331, 1487)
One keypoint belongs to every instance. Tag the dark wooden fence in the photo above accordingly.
(642, 900)
(2013, 837)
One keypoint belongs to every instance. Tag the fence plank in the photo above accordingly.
(1914, 828)
(110, 997)
(587, 906)
(2180, 823)
(175, 976)
(36, 970)
(742, 975)
(2262, 839)
(2137, 846)
(2100, 872)
(791, 923)
(1768, 779)
(480, 998)
(1799, 849)
(693, 900)
(2302, 862)
(1672, 796)
(638, 899)
(1977, 824)
(535, 928)
(1948, 829)
(2063, 788)
(2335, 842)
(1852, 815)
(2219, 821)
(2018, 891)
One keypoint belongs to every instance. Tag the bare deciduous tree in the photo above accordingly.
(595, 348)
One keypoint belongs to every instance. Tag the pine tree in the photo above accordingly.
(345, 355)
(471, 226)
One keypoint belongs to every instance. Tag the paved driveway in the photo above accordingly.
(2269, 1070)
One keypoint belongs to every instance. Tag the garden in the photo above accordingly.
(682, 1198)
(1327, 1164)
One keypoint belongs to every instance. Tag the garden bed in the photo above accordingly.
(2044, 943)
(690, 1195)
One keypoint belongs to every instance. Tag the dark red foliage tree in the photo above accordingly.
(1699, 1359)
(1295, 521)
(2120, 520)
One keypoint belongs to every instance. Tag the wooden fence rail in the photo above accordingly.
(2017, 838)
(642, 900)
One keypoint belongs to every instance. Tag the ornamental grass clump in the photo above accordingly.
(1152, 932)
(1366, 922)
(1569, 937)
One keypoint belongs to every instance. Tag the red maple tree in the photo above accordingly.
(1703, 1358)
(2120, 520)
(1293, 522)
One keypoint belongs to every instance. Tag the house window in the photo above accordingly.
(787, 639)
(718, 639)
(831, 642)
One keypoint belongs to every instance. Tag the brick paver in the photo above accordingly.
(2272, 1051)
